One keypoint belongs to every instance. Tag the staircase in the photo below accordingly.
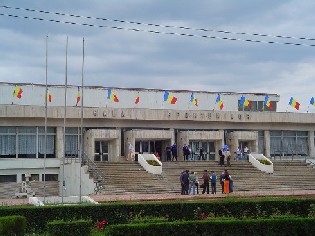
(131, 178)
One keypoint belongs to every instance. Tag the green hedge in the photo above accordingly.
(264, 227)
(69, 228)
(121, 213)
(12, 225)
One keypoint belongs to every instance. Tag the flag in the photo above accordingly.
(193, 99)
(137, 98)
(168, 97)
(219, 102)
(245, 102)
(312, 101)
(78, 95)
(294, 103)
(112, 96)
(49, 96)
(268, 102)
(17, 92)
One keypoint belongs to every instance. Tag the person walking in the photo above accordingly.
(206, 179)
(213, 179)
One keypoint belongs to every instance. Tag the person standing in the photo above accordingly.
(185, 152)
(213, 178)
(228, 157)
(131, 152)
(206, 179)
(201, 153)
(226, 182)
(174, 151)
(245, 152)
(192, 181)
(185, 179)
(221, 156)
(197, 182)
(168, 153)
(222, 181)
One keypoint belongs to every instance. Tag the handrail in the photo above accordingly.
(99, 175)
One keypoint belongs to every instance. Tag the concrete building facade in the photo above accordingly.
(149, 119)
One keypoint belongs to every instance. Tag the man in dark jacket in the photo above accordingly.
(206, 179)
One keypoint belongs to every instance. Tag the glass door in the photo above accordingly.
(208, 150)
(101, 151)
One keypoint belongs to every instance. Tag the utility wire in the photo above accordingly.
(158, 32)
(159, 25)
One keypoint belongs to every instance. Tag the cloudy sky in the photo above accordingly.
(168, 59)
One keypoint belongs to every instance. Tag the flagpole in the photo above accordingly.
(64, 125)
(81, 130)
(45, 142)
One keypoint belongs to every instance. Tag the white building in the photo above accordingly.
(146, 118)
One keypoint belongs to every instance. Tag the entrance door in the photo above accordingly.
(101, 151)
(207, 147)
(152, 147)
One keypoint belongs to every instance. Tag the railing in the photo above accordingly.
(99, 175)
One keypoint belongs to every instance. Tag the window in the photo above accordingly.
(50, 177)
(288, 143)
(257, 106)
(7, 178)
(261, 143)
(7, 142)
(26, 142)
(34, 177)
(72, 141)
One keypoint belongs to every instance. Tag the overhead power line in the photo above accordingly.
(158, 32)
(160, 25)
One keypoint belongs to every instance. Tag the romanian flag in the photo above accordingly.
(267, 102)
(17, 92)
(219, 102)
(137, 98)
(312, 101)
(245, 102)
(294, 103)
(49, 96)
(78, 95)
(168, 97)
(112, 96)
(193, 99)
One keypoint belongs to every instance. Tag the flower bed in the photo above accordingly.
(261, 162)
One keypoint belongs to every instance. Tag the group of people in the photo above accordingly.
(224, 153)
(190, 183)
(171, 153)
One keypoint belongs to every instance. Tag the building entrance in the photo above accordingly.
(101, 151)
(201, 150)
(149, 146)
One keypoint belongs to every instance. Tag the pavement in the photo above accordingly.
(131, 197)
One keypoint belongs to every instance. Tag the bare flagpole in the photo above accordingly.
(81, 130)
(64, 125)
(45, 142)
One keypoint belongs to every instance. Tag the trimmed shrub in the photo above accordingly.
(12, 225)
(272, 227)
(69, 228)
